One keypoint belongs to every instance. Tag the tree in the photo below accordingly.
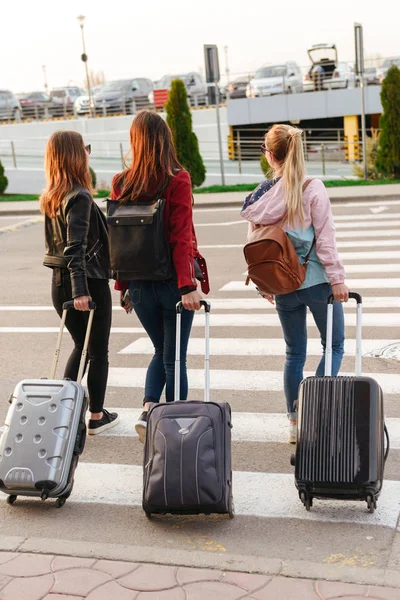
(3, 180)
(372, 144)
(388, 159)
(179, 120)
(265, 167)
(93, 177)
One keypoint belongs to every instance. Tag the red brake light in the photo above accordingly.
(231, 87)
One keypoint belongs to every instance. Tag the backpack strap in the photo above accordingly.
(285, 216)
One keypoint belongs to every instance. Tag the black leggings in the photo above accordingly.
(76, 324)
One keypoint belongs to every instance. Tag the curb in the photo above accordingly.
(211, 560)
(219, 204)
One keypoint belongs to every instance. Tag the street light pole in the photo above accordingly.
(226, 65)
(84, 58)
(359, 47)
(46, 86)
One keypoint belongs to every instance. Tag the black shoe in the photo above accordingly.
(141, 426)
(107, 421)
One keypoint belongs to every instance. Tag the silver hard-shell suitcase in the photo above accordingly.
(45, 431)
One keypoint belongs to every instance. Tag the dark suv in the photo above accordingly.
(123, 96)
(9, 106)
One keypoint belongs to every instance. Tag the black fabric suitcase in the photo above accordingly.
(340, 449)
(45, 432)
(187, 455)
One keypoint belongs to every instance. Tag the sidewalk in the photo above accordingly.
(235, 199)
(49, 577)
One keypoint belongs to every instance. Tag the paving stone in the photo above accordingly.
(62, 597)
(246, 581)
(60, 563)
(28, 565)
(289, 589)
(7, 556)
(190, 575)
(383, 593)
(332, 589)
(212, 590)
(175, 594)
(4, 579)
(28, 588)
(115, 568)
(112, 591)
(150, 578)
(78, 581)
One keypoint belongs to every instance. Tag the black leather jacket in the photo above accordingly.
(77, 240)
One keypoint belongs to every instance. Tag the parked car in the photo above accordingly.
(36, 105)
(238, 87)
(389, 62)
(64, 99)
(275, 79)
(10, 108)
(342, 77)
(123, 96)
(324, 61)
(195, 85)
(371, 76)
(81, 105)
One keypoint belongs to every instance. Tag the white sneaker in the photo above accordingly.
(292, 433)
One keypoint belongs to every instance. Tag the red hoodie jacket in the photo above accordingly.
(178, 218)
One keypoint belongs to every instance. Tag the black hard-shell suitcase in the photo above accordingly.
(340, 451)
(187, 455)
(45, 432)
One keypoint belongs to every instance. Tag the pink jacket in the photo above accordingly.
(270, 208)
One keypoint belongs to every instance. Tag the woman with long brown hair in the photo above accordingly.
(77, 252)
(155, 173)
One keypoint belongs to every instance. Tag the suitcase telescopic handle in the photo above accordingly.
(66, 307)
(179, 309)
(329, 330)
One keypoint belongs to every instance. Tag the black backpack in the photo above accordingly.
(139, 247)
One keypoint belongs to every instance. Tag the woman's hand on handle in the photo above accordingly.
(191, 301)
(269, 297)
(82, 302)
(340, 292)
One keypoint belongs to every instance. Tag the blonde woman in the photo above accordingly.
(309, 225)
(77, 252)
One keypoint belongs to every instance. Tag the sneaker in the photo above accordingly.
(141, 427)
(292, 433)
(107, 421)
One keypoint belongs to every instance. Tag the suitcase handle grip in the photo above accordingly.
(387, 444)
(329, 332)
(205, 303)
(354, 295)
(70, 304)
(177, 391)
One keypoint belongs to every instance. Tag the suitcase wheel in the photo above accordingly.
(148, 515)
(231, 508)
(306, 500)
(11, 499)
(60, 502)
(371, 503)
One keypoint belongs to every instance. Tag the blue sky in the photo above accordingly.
(149, 39)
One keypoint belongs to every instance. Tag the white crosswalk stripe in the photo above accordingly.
(354, 284)
(246, 381)
(252, 347)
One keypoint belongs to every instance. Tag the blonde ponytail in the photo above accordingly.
(284, 142)
(294, 169)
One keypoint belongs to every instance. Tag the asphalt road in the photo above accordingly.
(246, 365)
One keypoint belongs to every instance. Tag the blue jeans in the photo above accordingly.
(292, 311)
(154, 302)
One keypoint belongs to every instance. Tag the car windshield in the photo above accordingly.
(57, 94)
(370, 70)
(267, 72)
(22, 96)
(391, 61)
(165, 82)
(116, 86)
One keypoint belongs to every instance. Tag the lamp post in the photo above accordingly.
(46, 85)
(226, 65)
(84, 58)
(359, 69)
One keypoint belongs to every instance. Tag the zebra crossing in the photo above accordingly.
(247, 354)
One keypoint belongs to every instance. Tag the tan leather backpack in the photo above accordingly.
(273, 263)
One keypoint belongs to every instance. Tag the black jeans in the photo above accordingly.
(76, 324)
